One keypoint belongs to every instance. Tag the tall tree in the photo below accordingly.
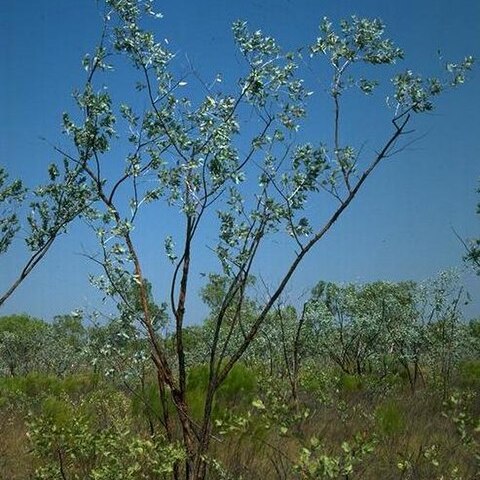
(231, 160)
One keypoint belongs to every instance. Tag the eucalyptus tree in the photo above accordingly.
(363, 328)
(62, 346)
(381, 326)
(232, 160)
(445, 335)
(30, 345)
(20, 344)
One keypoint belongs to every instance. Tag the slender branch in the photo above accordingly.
(38, 255)
(399, 123)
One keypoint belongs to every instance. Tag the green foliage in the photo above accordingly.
(361, 39)
(469, 372)
(472, 335)
(70, 419)
(236, 392)
(390, 418)
(69, 444)
(146, 402)
(458, 409)
(350, 383)
(11, 195)
(53, 207)
(315, 464)
(58, 203)
(359, 327)
(188, 147)
(71, 330)
(391, 330)
(319, 382)
(29, 391)
(412, 92)
(239, 386)
(444, 332)
(64, 345)
(21, 324)
(92, 437)
(20, 343)
(28, 344)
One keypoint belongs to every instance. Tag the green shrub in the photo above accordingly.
(95, 439)
(237, 390)
(390, 418)
(239, 387)
(146, 402)
(350, 383)
(77, 385)
(35, 385)
(315, 462)
(319, 383)
(58, 411)
(469, 373)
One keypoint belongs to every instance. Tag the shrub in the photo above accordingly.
(469, 373)
(238, 389)
(70, 443)
(390, 418)
(350, 383)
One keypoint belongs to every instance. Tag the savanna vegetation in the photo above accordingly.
(354, 381)
(363, 381)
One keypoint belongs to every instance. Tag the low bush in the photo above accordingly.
(390, 418)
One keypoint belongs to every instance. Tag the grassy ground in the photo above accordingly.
(385, 433)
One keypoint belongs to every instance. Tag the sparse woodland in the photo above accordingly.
(350, 381)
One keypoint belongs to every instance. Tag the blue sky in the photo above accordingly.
(399, 228)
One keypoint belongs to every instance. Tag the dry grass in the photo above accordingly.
(421, 435)
(407, 427)
(15, 459)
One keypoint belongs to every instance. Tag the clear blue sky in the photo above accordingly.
(399, 228)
